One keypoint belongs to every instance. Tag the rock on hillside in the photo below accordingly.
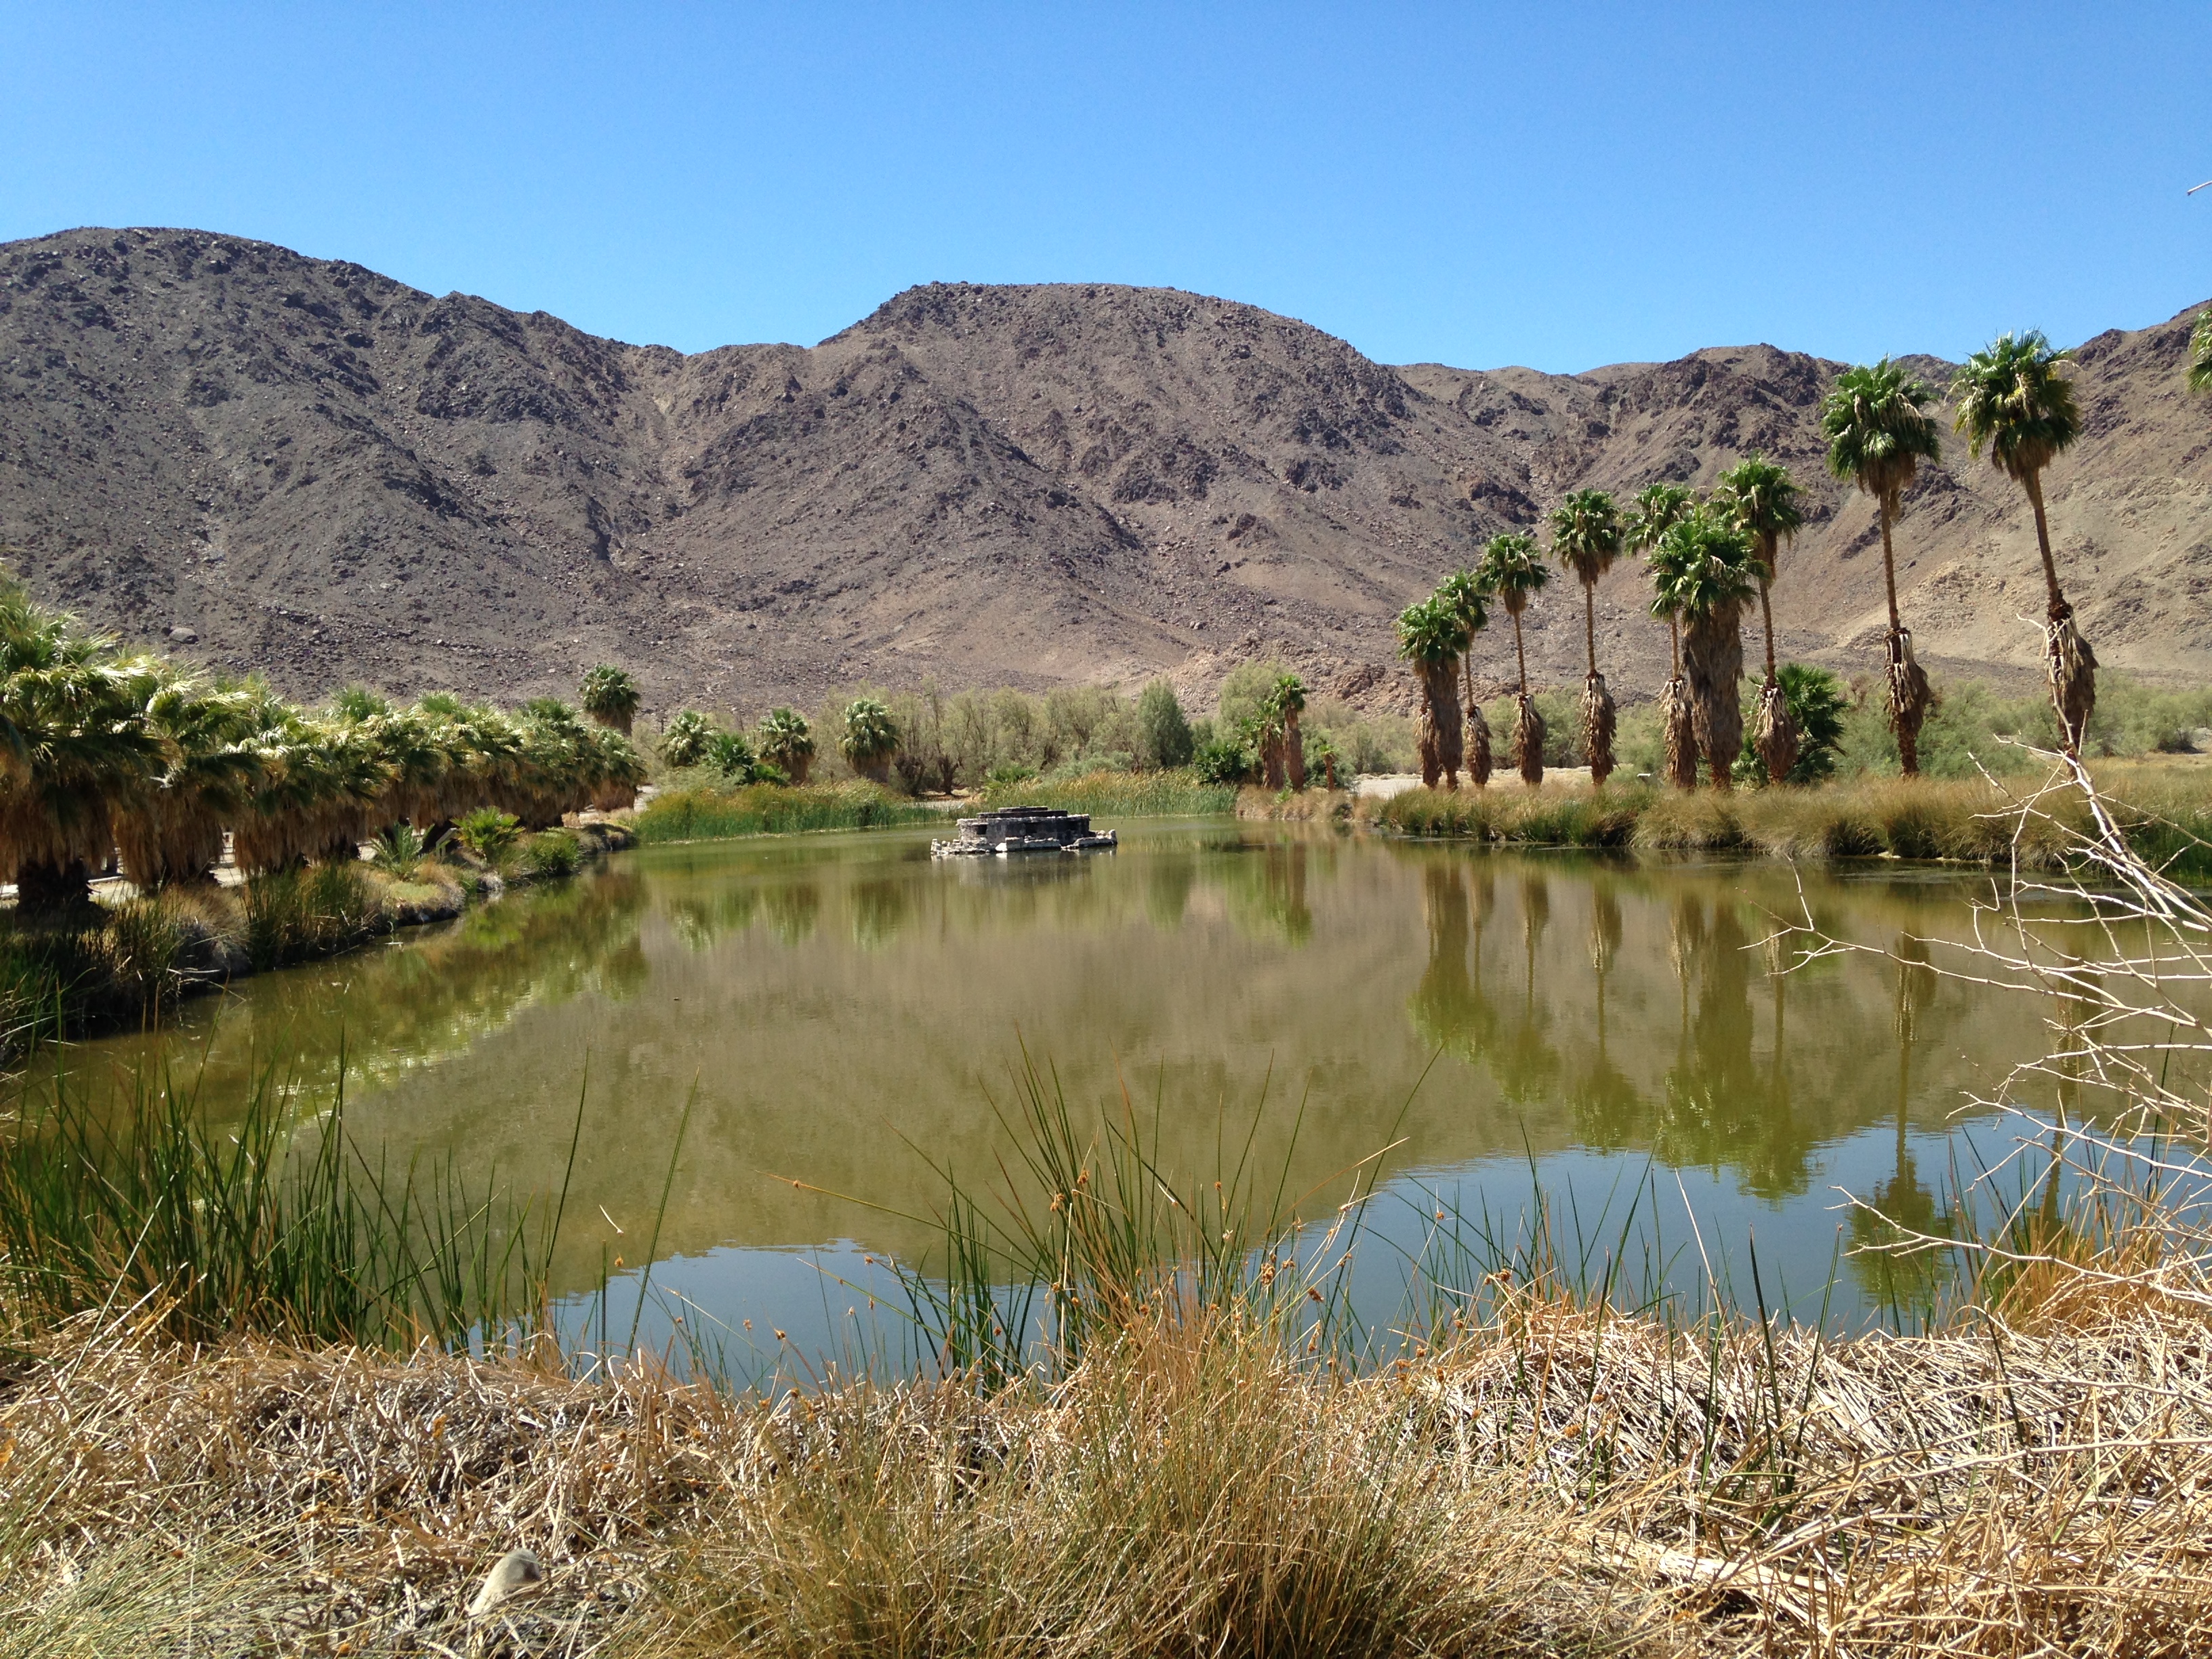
(301, 464)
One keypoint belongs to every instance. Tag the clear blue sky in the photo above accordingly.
(1559, 185)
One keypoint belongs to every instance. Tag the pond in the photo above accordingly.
(842, 1015)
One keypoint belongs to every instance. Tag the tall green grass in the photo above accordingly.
(707, 813)
(264, 1215)
(2169, 821)
(1174, 793)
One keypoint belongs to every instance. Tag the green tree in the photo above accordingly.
(870, 739)
(1461, 593)
(1286, 701)
(609, 696)
(1432, 637)
(1656, 510)
(172, 831)
(2014, 400)
(1878, 435)
(1162, 733)
(1711, 577)
(2200, 353)
(78, 749)
(787, 743)
(1586, 538)
(683, 740)
(1512, 569)
(1762, 497)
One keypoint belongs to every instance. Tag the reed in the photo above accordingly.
(1172, 794)
(1976, 821)
(267, 1219)
(706, 813)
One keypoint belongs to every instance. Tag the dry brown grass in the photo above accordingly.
(1562, 1479)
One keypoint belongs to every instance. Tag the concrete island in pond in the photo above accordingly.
(1023, 829)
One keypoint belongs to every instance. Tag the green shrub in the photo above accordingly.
(1178, 793)
(295, 914)
(489, 833)
(400, 850)
(554, 853)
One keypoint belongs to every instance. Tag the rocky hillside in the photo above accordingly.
(277, 461)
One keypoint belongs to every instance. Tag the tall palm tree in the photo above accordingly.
(787, 743)
(1711, 576)
(1432, 638)
(1762, 498)
(1586, 535)
(2200, 353)
(610, 696)
(1656, 510)
(1287, 698)
(1512, 569)
(1877, 437)
(870, 739)
(2013, 398)
(1462, 592)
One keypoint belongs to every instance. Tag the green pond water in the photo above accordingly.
(847, 1010)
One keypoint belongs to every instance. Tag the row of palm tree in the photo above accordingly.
(107, 754)
(1707, 559)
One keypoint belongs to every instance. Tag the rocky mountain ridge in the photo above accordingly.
(275, 461)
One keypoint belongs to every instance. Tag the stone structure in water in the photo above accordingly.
(1024, 829)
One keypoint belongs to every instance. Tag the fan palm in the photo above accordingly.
(172, 830)
(1656, 510)
(2200, 353)
(683, 740)
(787, 743)
(1512, 569)
(1878, 435)
(870, 737)
(1286, 700)
(2013, 399)
(1711, 576)
(1462, 593)
(610, 696)
(78, 749)
(1761, 496)
(1432, 637)
(1586, 538)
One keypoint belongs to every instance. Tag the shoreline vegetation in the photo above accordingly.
(243, 1399)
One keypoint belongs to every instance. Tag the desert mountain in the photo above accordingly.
(275, 461)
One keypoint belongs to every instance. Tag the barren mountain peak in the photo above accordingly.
(308, 467)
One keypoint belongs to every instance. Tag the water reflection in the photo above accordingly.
(840, 1004)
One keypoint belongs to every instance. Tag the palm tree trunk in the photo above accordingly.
(1527, 724)
(2067, 657)
(1680, 761)
(1715, 660)
(1479, 758)
(1909, 696)
(54, 891)
(1776, 736)
(1597, 702)
(1294, 749)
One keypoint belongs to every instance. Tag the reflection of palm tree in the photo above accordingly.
(1449, 1010)
(792, 910)
(1285, 891)
(879, 912)
(1526, 1067)
(1903, 1203)
(1169, 879)
(1607, 1105)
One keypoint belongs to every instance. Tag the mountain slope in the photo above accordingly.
(299, 463)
